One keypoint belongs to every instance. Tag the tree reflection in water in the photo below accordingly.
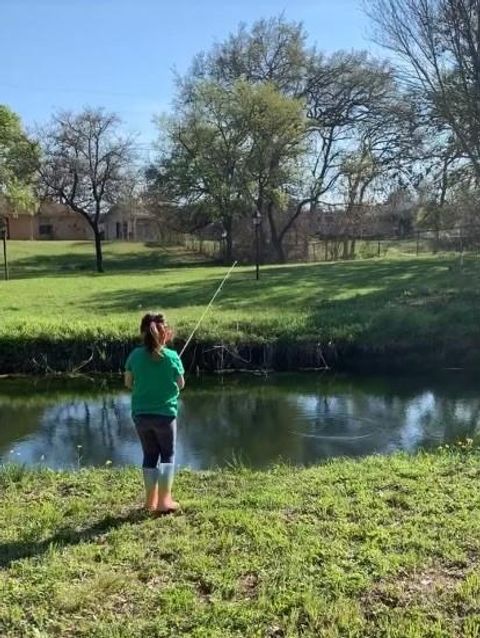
(295, 418)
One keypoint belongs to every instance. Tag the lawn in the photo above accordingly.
(384, 547)
(54, 294)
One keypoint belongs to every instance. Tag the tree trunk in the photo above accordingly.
(277, 240)
(98, 248)
(345, 254)
(278, 245)
(436, 240)
(352, 249)
(227, 225)
(229, 248)
(335, 249)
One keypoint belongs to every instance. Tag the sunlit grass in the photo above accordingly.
(384, 547)
(55, 294)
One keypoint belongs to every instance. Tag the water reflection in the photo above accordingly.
(299, 419)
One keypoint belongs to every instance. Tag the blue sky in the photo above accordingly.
(121, 53)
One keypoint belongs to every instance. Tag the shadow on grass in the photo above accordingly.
(73, 263)
(307, 288)
(20, 550)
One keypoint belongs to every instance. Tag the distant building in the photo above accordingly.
(54, 221)
(51, 221)
(131, 224)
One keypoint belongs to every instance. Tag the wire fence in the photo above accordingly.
(207, 247)
(459, 240)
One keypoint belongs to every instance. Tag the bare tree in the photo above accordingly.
(87, 166)
(437, 45)
(342, 94)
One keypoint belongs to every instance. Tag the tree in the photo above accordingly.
(230, 151)
(19, 157)
(379, 161)
(444, 171)
(200, 167)
(347, 96)
(338, 94)
(277, 130)
(273, 51)
(87, 166)
(437, 43)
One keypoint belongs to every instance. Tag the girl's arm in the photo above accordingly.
(128, 378)
(180, 381)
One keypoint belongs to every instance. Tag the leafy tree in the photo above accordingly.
(19, 157)
(201, 163)
(273, 51)
(229, 151)
(277, 130)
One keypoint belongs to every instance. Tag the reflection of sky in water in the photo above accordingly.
(417, 414)
(257, 423)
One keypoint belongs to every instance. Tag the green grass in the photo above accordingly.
(54, 294)
(384, 547)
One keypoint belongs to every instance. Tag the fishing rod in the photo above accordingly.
(187, 343)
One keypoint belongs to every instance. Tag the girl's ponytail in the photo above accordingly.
(155, 333)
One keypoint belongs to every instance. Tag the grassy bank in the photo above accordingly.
(406, 301)
(382, 547)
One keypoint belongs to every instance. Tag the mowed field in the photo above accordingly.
(54, 292)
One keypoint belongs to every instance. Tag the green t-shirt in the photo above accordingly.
(155, 390)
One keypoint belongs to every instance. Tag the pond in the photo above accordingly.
(257, 421)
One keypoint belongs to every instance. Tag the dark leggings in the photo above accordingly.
(157, 436)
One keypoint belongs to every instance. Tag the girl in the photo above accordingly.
(154, 373)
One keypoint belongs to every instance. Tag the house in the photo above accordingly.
(131, 224)
(50, 221)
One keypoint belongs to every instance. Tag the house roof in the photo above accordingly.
(53, 209)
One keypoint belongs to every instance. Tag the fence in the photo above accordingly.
(460, 240)
(422, 242)
(208, 247)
